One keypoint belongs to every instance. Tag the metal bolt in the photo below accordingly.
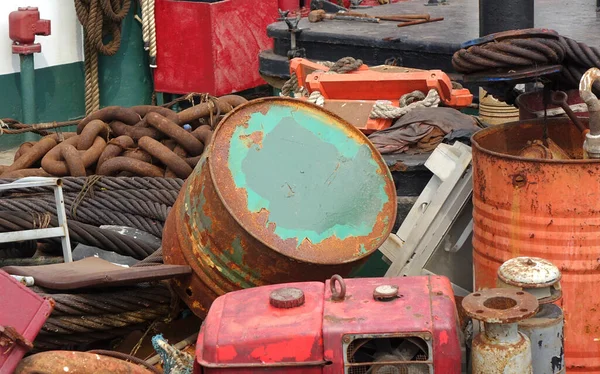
(385, 292)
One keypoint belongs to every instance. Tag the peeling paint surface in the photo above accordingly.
(314, 180)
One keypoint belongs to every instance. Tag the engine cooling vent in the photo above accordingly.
(388, 355)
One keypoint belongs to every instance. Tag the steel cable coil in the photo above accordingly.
(154, 259)
(105, 183)
(23, 249)
(99, 217)
(143, 208)
(85, 317)
(87, 213)
(166, 197)
(47, 341)
(80, 233)
(87, 323)
(520, 51)
(508, 53)
(114, 301)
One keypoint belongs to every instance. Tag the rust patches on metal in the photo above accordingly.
(555, 213)
(76, 362)
(398, 166)
(500, 305)
(255, 138)
(548, 151)
(228, 251)
(335, 319)
(529, 272)
(9, 337)
(256, 223)
(534, 275)
(335, 294)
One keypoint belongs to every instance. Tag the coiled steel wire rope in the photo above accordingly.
(81, 233)
(521, 51)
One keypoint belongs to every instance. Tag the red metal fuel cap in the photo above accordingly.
(286, 298)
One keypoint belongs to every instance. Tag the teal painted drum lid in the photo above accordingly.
(302, 181)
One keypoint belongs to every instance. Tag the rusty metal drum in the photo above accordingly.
(285, 192)
(542, 208)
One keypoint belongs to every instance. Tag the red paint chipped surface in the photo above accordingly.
(299, 349)
(443, 337)
(227, 353)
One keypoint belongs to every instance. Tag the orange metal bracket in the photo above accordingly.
(366, 84)
(352, 95)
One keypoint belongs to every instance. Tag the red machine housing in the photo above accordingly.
(211, 46)
(417, 330)
(23, 25)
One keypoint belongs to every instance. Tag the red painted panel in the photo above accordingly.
(243, 328)
(22, 310)
(211, 47)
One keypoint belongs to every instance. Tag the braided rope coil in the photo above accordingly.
(152, 21)
(98, 18)
(344, 65)
(383, 109)
(316, 98)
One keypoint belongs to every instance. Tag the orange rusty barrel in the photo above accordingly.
(285, 192)
(542, 208)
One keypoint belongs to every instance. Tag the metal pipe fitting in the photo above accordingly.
(539, 278)
(24, 24)
(591, 145)
(500, 348)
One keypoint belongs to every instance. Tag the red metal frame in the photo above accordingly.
(243, 333)
(25, 312)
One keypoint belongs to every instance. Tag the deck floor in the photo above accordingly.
(576, 19)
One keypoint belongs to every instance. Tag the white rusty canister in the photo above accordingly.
(540, 278)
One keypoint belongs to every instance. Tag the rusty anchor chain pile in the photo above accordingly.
(82, 318)
(145, 140)
(141, 203)
(527, 48)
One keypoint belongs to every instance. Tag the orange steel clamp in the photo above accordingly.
(366, 84)
(362, 87)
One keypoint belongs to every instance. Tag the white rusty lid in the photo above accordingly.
(529, 272)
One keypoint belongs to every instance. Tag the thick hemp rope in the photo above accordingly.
(99, 18)
(383, 109)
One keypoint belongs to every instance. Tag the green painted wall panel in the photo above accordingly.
(59, 97)
(59, 93)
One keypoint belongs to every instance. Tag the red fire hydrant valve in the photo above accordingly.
(23, 26)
